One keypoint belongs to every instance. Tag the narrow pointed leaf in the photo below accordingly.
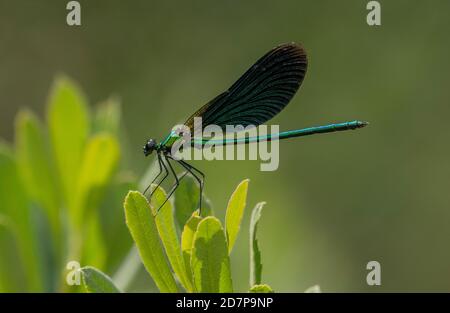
(11, 274)
(187, 239)
(68, 121)
(167, 231)
(36, 169)
(15, 205)
(119, 242)
(235, 211)
(255, 253)
(210, 262)
(94, 250)
(96, 281)
(107, 117)
(186, 200)
(99, 161)
(142, 226)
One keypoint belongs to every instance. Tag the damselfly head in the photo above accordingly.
(149, 147)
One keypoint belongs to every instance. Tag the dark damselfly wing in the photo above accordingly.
(261, 93)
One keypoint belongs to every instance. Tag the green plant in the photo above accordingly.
(199, 257)
(59, 185)
(62, 184)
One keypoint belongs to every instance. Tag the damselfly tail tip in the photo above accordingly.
(362, 124)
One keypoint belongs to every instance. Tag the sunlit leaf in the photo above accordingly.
(34, 162)
(186, 199)
(166, 228)
(118, 242)
(98, 164)
(96, 281)
(142, 226)
(107, 117)
(255, 253)
(235, 211)
(209, 261)
(207, 208)
(68, 121)
(261, 289)
(93, 250)
(187, 239)
(14, 204)
(11, 274)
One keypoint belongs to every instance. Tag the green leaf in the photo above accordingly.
(35, 166)
(11, 274)
(210, 262)
(186, 200)
(142, 226)
(94, 250)
(313, 289)
(207, 209)
(96, 281)
(255, 253)
(14, 204)
(68, 121)
(119, 240)
(168, 234)
(261, 289)
(107, 117)
(99, 162)
(187, 239)
(235, 211)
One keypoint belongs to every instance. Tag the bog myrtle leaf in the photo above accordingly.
(255, 253)
(107, 117)
(99, 161)
(15, 205)
(93, 250)
(11, 276)
(96, 281)
(142, 226)
(207, 209)
(98, 164)
(186, 199)
(187, 239)
(68, 121)
(210, 261)
(167, 231)
(261, 289)
(313, 289)
(235, 211)
(119, 242)
(35, 166)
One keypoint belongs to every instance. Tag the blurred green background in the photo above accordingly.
(337, 201)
